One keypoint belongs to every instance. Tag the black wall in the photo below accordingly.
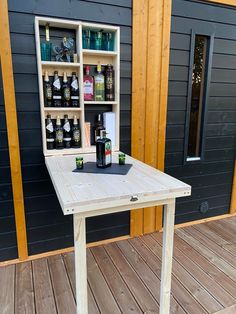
(47, 228)
(211, 179)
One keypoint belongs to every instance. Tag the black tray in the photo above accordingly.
(91, 167)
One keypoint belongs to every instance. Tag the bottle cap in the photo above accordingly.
(55, 72)
(47, 32)
(87, 68)
(99, 68)
(64, 77)
(66, 116)
(49, 116)
(46, 78)
(73, 73)
(75, 120)
(58, 120)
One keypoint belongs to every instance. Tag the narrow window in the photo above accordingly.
(197, 102)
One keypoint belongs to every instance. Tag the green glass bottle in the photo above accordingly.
(103, 151)
(99, 85)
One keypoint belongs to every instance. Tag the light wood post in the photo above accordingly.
(12, 130)
(151, 45)
(167, 253)
(80, 264)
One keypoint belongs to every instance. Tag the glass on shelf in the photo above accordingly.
(97, 40)
(107, 41)
(46, 50)
(86, 39)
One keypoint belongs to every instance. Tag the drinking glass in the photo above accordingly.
(46, 50)
(86, 39)
(107, 41)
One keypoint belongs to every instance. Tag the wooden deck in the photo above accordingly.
(124, 277)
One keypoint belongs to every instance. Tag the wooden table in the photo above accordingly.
(91, 194)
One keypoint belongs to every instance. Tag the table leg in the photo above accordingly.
(80, 265)
(167, 253)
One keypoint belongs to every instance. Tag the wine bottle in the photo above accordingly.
(88, 84)
(74, 91)
(99, 85)
(59, 134)
(49, 133)
(66, 91)
(103, 151)
(47, 91)
(67, 132)
(98, 128)
(109, 83)
(76, 133)
(56, 90)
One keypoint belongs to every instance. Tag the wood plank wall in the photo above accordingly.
(151, 37)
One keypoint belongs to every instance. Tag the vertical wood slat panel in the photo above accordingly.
(12, 130)
(155, 20)
(139, 72)
(233, 195)
(149, 96)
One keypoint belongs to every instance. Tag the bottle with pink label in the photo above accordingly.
(88, 85)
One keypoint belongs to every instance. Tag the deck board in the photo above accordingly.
(24, 291)
(124, 277)
(44, 298)
(7, 282)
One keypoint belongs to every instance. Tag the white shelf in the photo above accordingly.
(60, 64)
(62, 109)
(99, 52)
(105, 102)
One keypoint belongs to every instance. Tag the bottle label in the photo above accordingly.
(107, 153)
(49, 127)
(66, 126)
(76, 135)
(57, 83)
(50, 140)
(99, 79)
(66, 93)
(109, 82)
(74, 97)
(56, 97)
(49, 92)
(67, 139)
(59, 136)
(88, 88)
(74, 84)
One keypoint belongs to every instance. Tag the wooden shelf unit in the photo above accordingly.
(85, 57)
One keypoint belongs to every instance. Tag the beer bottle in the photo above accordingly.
(59, 134)
(56, 90)
(76, 133)
(49, 133)
(67, 132)
(47, 91)
(66, 91)
(74, 91)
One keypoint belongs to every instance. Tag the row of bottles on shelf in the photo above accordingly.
(63, 134)
(99, 87)
(61, 95)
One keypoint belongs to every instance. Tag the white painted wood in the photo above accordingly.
(99, 52)
(80, 265)
(88, 193)
(86, 56)
(167, 253)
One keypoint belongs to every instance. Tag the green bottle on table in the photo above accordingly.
(103, 151)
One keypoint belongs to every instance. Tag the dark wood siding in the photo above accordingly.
(47, 228)
(211, 179)
(7, 220)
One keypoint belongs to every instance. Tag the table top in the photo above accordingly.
(91, 194)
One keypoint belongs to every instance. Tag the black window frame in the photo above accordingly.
(207, 80)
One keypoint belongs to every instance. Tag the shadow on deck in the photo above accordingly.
(124, 277)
